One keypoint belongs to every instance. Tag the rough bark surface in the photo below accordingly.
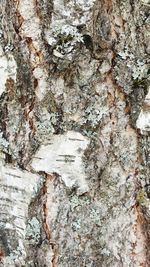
(74, 133)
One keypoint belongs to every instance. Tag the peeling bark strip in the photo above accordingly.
(17, 188)
(143, 121)
(7, 69)
(64, 156)
(74, 133)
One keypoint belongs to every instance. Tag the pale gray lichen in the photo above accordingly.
(95, 111)
(126, 54)
(33, 231)
(139, 71)
(3, 143)
(64, 37)
(76, 225)
(145, 2)
(96, 216)
(45, 125)
(137, 68)
(86, 5)
(76, 201)
(17, 257)
(9, 47)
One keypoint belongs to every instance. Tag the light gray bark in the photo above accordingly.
(74, 136)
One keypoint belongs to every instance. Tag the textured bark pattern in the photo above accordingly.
(74, 133)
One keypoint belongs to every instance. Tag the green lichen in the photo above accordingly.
(142, 198)
(76, 201)
(95, 216)
(44, 130)
(142, 83)
(95, 112)
(47, 120)
(49, 102)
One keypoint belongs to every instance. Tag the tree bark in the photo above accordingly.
(74, 133)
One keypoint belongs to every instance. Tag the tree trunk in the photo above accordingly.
(74, 136)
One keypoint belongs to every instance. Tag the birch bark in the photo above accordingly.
(74, 133)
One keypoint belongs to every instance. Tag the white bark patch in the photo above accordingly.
(17, 189)
(143, 121)
(41, 75)
(58, 87)
(31, 24)
(64, 156)
(8, 69)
